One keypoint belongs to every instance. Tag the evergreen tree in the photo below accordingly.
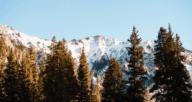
(136, 69)
(68, 67)
(97, 90)
(68, 85)
(183, 87)
(33, 58)
(48, 90)
(11, 79)
(2, 87)
(55, 86)
(24, 78)
(42, 76)
(135, 91)
(2, 68)
(53, 45)
(84, 78)
(180, 88)
(169, 64)
(159, 61)
(147, 96)
(92, 89)
(54, 39)
(92, 85)
(113, 82)
(61, 81)
(172, 74)
(35, 74)
(102, 82)
(29, 70)
(72, 86)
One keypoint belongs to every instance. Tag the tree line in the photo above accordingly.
(59, 79)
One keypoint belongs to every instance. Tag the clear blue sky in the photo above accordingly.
(77, 19)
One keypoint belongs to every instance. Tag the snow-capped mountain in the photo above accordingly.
(25, 39)
(98, 49)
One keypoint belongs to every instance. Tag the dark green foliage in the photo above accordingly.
(57, 80)
(135, 91)
(97, 90)
(48, 90)
(136, 69)
(182, 85)
(113, 82)
(24, 79)
(171, 77)
(84, 79)
(53, 91)
(91, 88)
(71, 77)
(2, 85)
(159, 61)
(35, 74)
(42, 77)
(60, 83)
(12, 84)
(54, 39)
(2, 68)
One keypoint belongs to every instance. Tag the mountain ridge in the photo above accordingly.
(98, 50)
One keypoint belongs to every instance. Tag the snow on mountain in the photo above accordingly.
(95, 47)
(25, 39)
(98, 50)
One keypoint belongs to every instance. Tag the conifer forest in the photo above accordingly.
(58, 78)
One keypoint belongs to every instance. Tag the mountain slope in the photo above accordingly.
(98, 49)
(25, 39)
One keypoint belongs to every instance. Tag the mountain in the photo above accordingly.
(26, 40)
(98, 49)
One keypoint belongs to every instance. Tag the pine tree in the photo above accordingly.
(136, 69)
(48, 89)
(54, 39)
(182, 85)
(92, 85)
(159, 61)
(92, 89)
(84, 78)
(35, 74)
(172, 74)
(55, 86)
(169, 64)
(53, 45)
(42, 76)
(2, 87)
(61, 52)
(102, 82)
(97, 90)
(11, 79)
(2, 68)
(29, 70)
(113, 82)
(24, 79)
(147, 96)
(60, 82)
(135, 91)
(68, 67)
(72, 86)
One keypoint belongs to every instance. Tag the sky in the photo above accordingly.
(78, 19)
